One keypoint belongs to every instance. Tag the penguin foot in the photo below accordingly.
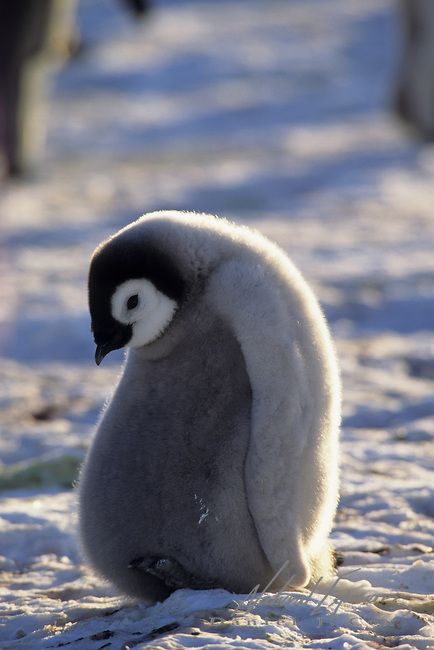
(171, 572)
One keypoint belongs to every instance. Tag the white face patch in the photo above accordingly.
(140, 304)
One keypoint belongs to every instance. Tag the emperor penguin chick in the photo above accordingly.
(216, 461)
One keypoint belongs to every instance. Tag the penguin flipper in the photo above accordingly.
(290, 362)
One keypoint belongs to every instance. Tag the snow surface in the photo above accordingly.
(273, 113)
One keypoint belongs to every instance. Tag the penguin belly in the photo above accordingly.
(165, 474)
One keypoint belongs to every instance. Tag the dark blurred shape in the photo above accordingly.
(32, 32)
(138, 7)
(414, 97)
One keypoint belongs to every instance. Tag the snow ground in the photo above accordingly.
(273, 113)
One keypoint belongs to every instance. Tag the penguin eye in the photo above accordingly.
(133, 301)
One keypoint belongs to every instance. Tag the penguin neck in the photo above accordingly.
(188, 325)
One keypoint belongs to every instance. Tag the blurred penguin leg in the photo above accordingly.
(414, 95)
(29, 31)
(22, 31)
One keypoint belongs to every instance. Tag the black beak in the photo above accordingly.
(101, 351)
(113, 340)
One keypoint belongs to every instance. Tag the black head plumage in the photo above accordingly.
(114, 262)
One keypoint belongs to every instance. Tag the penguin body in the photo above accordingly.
(218, 450)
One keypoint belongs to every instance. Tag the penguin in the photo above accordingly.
(216, 461)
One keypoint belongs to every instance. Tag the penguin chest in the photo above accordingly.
(165, 475)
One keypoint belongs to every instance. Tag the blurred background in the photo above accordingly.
(280, 114)
(276, 113)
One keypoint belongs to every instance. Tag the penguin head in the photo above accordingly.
(134, 292)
